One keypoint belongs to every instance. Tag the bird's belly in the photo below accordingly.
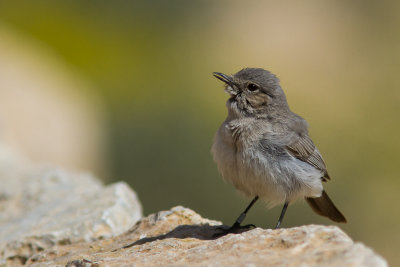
(274, 180)
(277, 180)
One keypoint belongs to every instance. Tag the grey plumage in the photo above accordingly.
(264, 149)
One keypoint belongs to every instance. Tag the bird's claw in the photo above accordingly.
(234, 229)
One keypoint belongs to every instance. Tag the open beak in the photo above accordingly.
(225, 78)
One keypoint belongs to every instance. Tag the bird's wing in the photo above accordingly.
(304, 149)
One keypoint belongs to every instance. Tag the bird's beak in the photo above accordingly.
(225, 78)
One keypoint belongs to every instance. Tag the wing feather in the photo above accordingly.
(304, 149)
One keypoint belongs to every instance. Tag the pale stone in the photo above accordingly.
(180, 237)
(51, 217)
(44, 206)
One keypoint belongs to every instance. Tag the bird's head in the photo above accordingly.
(254, 92)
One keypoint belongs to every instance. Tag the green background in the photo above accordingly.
(151, 63)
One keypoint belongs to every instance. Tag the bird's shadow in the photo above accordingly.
(201, 232)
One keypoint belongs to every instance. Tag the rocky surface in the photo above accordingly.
(51, 217)
(41, 207)
(180, 237)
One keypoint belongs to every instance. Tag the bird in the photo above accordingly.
(264, 149)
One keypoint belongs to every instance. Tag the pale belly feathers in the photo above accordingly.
(255, 173)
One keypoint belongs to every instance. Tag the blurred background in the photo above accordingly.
(124, 89)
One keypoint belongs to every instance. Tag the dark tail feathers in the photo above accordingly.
(324, 206)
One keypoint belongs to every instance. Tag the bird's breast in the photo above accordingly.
(234, 153)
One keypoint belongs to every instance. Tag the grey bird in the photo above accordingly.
(264, 149)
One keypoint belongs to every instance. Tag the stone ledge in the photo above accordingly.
(52, 217)
(181, 237)
(42, 207)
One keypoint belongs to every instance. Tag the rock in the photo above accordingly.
(51, 217)
(180, 237)
(41, 207)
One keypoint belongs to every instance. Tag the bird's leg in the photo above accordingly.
(236, 227)
(241, 217)
(282, 215)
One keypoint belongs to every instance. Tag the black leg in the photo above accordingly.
(236, 227)
(282, 215)
(241, 217)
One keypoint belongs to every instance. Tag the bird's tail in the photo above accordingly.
(324, 206)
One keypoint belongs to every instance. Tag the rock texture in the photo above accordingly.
(180, 237)
(50, 217)
(41, 207)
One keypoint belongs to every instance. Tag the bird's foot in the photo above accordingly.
(236, 228)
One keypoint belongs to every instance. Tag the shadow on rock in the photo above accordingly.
(202, 232)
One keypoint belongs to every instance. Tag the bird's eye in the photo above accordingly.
(252, 87)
